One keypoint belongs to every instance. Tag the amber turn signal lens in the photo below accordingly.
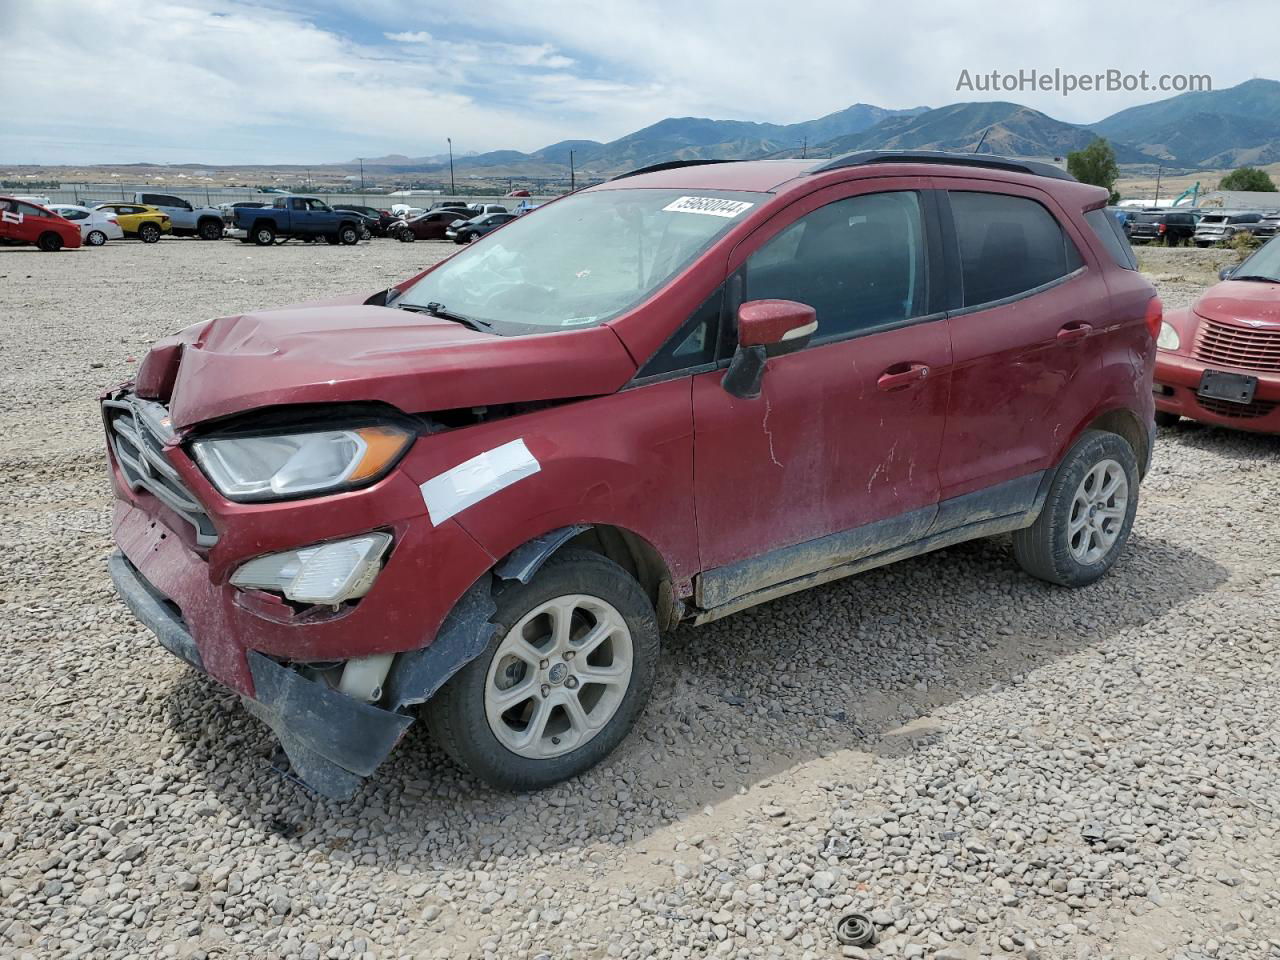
(382, 446)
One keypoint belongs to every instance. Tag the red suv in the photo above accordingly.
(660, 400)
(1219, 361)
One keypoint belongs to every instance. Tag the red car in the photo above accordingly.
(664, 399)
(427, 226)
(23, 223)
(1219, 360)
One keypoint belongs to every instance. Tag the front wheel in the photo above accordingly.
(349, 236)
(1085, 522)
(405, 235)
(562, 681)
(96, 238)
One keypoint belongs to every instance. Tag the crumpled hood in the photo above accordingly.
(1242, 302)
(345, 352)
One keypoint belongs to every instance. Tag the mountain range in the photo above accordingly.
(1210, 129)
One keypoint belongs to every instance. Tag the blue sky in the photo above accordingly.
(220, 81)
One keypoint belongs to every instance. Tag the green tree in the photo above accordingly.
(1248, 178)
(1096, 164)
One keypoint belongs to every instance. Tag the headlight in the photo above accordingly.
(288, 464)
(1168, 339)
(323, 573)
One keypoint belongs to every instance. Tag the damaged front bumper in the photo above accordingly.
(332, 741)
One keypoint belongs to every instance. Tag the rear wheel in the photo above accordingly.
(264, 236)
(149, 233)
(96, 238)
(1087, 515)
(49, 242)
(561, 683)
(210, 230)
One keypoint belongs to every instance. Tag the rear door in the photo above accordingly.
(1028, 305)
(837, 457)
(33, 221)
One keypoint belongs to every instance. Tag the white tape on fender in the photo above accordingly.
(473, 480)
(711, 206)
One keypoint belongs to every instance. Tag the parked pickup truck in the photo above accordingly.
(295, 218)
(187, 220)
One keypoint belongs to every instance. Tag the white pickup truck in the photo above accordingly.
(187, 220)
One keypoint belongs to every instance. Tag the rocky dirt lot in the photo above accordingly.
(984, 764)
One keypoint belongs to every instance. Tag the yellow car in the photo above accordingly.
(138, 220)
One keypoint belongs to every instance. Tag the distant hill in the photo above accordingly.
(1213, 128)
(1220, 128)
(1004, 128)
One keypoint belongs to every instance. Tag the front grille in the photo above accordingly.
(137, 431)
(1237, 411)
(1238, 346)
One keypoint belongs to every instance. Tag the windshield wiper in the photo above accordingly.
(434, 309)
(1254, 276)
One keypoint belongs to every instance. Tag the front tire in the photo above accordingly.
(149, 233)
(560, 684)
(1087, 516)
(349, 236)
(96, 238)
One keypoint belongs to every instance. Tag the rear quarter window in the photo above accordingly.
(1111, 237)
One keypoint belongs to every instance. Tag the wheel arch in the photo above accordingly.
(1125, 424)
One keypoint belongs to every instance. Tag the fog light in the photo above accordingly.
(324, 573)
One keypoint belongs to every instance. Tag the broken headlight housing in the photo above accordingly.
(278, 465)
(327, 573)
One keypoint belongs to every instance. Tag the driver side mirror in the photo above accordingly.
(766, 328)
(1226, 272)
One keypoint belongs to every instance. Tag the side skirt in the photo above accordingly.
(1006, 507)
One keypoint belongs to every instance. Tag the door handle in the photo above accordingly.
(902, 375)
(1075, 331)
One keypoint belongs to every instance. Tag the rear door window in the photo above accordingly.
(1008, 246)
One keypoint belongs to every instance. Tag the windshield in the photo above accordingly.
(1264, 264)
(581, 260)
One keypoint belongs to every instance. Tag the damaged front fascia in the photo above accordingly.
(466, 631)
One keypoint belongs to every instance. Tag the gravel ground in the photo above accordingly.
(985, 764)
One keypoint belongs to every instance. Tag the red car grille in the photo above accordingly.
(1238, 411)
(1238, 346)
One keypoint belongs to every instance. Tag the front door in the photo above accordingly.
(836, 459)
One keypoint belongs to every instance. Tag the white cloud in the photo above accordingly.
(221, 80)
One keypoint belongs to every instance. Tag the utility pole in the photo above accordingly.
(453, 189)
(361, 159)
(804, 150)
(572, 180)
(1159, 171)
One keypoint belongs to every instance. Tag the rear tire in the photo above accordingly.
(49, 242)
(1087, 516)
(209, 230)
(149, 233)
(566, 723)
(96, 238)
(264, 236)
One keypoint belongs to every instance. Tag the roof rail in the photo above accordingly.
(990, 161)
(666, 165)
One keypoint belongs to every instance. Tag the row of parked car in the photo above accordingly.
(1174, 227)
(51, 226)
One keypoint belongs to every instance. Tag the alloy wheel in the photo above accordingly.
(1097, 512)
(558, 676)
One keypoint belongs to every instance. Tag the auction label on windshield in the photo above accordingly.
(712, 206)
